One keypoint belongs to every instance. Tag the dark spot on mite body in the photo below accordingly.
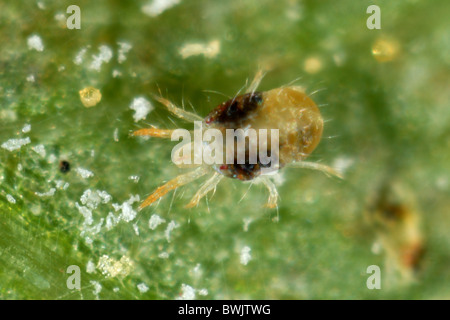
(232, 109)
(244, 172)
(234, 113)
(64, 166)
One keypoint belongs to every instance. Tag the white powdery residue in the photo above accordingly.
(116, 289)
(60, 184)
(203, 292)
(84, 173)
(209, 50)
(105, 196)
(187, 293)
(90, 267)
(49, 193)
(26, 128)
(156, 7)
(111, 221)
(52, 158)
(341, 164)
(15, 144)
(116, 207)
(41, 5)
(128, 214)
(135, 179)
(40, 150)
(35, 43)
(30, 78)
(80, 56)
(245, 255)
(96, 228)
(133, 199)
(97, 287)
(116, 73)
(87, 214)
(60, 17)
(136, 229)
(163, 255)
(113, 268)
(197, 271)
(142, 108)
(376, 248)
(116, 134)
(124, 47)
(142, 287)
(155, 221)
(247, 222)
(10, 198)
(104, 56)
(90, 199)
(171, 226)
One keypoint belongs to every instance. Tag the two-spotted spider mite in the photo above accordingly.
(288, 109)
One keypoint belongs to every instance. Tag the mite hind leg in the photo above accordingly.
(209, 185)
(329, 171)
(177, 111)
(273, 193)
(174, 184)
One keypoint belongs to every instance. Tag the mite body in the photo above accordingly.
(289, 110)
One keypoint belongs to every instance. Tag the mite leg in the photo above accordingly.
(180, 113)
(329, 171)
(174, 184)
(209, 185)
(273, 193)
(256, 81)
(183, 156)
(153, 132)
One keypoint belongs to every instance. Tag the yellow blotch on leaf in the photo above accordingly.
(313, 65)
(385, 49)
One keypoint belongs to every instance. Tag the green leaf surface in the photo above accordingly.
(387, 125)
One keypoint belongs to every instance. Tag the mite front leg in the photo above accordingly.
(174, 184)
(153, 132)
(180, 113)
(256, 81)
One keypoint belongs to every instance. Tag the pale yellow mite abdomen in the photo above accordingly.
(297, 118)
